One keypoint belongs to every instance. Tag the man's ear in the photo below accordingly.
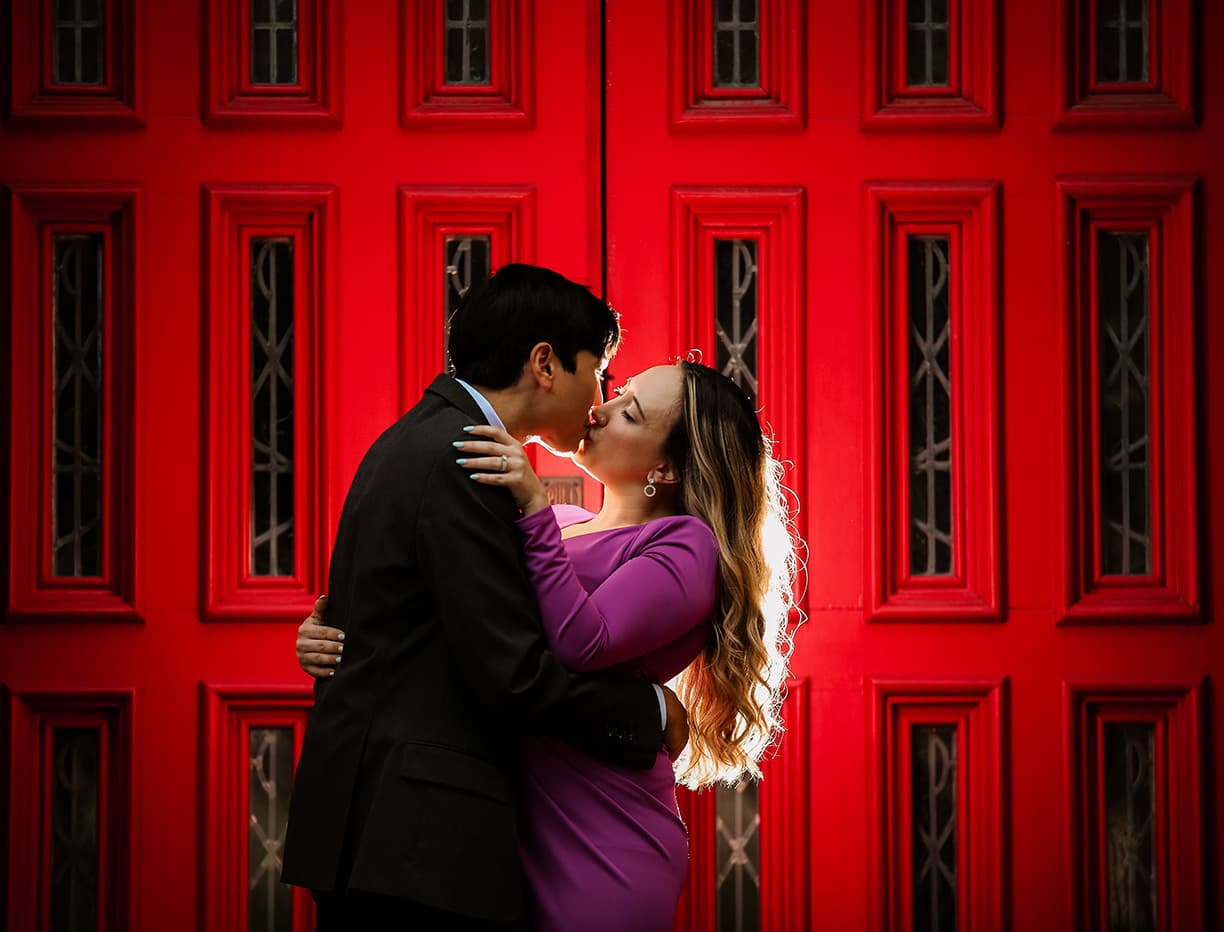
(541, 362)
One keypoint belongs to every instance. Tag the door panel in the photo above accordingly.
(275, 245)
(987, 705)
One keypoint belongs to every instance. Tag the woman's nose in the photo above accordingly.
(596, 415)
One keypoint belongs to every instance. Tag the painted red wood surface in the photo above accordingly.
(967, 215)
(1007, 130)
(532, 164)
(352, 144)
(232, 98)
(305, 215)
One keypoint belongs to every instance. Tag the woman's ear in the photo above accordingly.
(664, 474)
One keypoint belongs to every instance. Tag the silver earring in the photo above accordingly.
(650, 489)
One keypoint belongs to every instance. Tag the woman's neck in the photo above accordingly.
(626, 508)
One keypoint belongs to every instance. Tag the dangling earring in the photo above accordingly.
(650, 489)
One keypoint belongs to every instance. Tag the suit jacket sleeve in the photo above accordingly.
(469, 548)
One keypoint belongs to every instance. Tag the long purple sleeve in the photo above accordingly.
(658, 584)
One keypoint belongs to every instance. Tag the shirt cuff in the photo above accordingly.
(662, 704)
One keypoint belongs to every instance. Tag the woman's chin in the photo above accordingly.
(582, 459)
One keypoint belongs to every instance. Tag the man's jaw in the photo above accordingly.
(564, 454)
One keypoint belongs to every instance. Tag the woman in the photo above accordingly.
(686, 572)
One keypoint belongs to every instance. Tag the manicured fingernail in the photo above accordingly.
(474, 475)
(342, 635)
(460, 462)
(338, 658)
(459, 443)
(331, 672)
(469, 429)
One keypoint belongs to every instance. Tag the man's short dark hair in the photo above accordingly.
(497, 324)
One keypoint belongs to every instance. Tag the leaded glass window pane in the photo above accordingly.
(930, 407)
(78, 50)
(466, 46)
(1130, 807)
(270, 904)
(467, 264)
(737, 43)
(274, 42)
(933, 773)
(737, 854)
(735, 311)
(1126, 494)
(76, 502)
(75, 761)
(1122, 41)
(272, 406)
(926, 45)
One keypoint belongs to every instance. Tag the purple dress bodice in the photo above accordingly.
(603, 846)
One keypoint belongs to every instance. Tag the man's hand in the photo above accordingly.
(676, 734)
(319, 648)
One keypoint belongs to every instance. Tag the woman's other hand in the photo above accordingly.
(319, 648)
(501, 460)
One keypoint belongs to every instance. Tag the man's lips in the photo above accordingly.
(586, 437)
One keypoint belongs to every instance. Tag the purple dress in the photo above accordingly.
(603, 846)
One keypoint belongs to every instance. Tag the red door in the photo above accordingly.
(972, 300)
(230, 259)
(962, 254)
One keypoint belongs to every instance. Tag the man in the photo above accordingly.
(403, 804)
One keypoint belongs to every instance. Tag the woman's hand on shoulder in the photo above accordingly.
(493, 457)
(319, 648)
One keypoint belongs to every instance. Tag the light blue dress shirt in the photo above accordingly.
(483, 403)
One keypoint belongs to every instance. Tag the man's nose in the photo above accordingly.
(596, 415)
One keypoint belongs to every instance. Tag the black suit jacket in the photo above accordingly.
(406, 780)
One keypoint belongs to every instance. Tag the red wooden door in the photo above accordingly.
(1000, 691)
(261, 227)
(962, 254)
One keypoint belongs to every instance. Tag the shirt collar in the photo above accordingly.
(483, 403)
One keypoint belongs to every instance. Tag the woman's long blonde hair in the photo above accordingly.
(729, 478)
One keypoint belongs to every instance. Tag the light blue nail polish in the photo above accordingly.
(460, 462)
(468, 429)
(331, 672)
(342, 635)
(338, 659)
(459, 443)
(474, 475)
(341, 650)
